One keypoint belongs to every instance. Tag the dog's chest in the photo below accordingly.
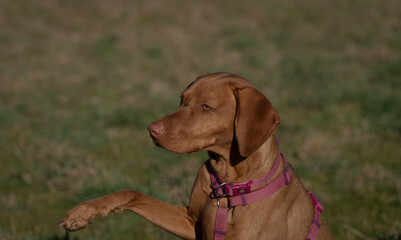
(254, 221)
(239, 220)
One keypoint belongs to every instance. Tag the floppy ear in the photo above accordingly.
(255, 120)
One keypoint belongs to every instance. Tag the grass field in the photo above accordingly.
(80, 81)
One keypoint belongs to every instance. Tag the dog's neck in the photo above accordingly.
(234, 168)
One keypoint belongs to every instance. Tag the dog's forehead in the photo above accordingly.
(214, 82)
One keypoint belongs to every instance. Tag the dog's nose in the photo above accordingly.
(156, 129)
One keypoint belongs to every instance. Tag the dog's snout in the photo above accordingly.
(156, 129)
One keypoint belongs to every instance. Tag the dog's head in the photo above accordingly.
(217, 111)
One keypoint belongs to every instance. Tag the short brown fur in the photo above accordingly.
(223, 114)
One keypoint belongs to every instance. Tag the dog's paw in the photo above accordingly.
(83, 214)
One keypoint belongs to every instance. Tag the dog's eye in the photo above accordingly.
(205, 107)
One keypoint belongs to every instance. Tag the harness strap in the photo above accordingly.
(273, 187)
(314, 228)
(221, 222)
(242, 194)
(226, 189)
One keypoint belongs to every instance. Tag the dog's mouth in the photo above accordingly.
(169, 148)
(172, 145)
(155, 142)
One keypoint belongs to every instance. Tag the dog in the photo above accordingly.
(245, 190)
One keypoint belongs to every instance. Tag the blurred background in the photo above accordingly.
(80, 81)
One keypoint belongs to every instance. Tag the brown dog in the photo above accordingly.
(223, 114)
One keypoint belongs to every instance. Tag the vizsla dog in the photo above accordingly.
(245, 190)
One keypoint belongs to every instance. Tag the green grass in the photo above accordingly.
(80, 81)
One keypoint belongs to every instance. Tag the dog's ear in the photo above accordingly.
(255, 120)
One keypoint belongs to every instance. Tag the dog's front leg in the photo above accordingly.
(171, 218)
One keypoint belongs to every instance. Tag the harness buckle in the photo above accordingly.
(318, 206)
(238, 189)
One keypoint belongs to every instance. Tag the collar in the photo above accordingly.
(253, 190)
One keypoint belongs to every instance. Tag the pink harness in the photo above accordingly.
(242, 194)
